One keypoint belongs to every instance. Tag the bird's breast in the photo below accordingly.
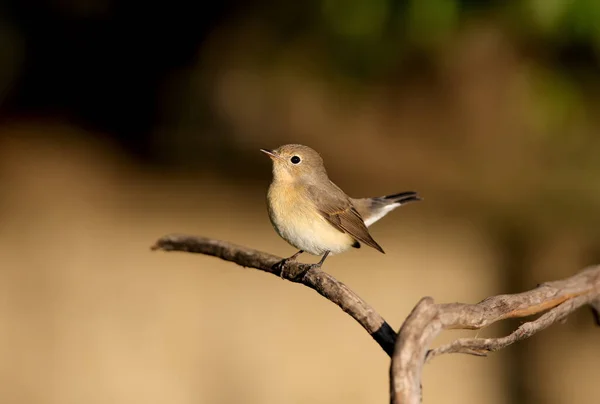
(297, 220)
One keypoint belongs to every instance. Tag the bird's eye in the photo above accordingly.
(295, 160)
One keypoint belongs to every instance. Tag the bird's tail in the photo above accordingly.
(402, 197)
(373, 209)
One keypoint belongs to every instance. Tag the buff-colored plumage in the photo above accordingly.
(297, 220)
(312, 213)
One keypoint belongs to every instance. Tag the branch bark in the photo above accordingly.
(557, 299)
(409, 349)
(321, 282)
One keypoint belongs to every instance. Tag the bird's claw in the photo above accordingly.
(281, 266)
(313, 266)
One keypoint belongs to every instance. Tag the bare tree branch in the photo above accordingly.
(320, 281)
(410, 348)
(428, 320)
(481, 346)
(595, 306)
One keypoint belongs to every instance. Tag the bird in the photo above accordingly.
(313, 214)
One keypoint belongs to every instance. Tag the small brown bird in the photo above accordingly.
(312, 213)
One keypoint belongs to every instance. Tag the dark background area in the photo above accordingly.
(105, 65)
(122, 121)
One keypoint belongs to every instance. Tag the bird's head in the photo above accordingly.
(296, 162)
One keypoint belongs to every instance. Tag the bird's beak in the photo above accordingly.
(270, 153)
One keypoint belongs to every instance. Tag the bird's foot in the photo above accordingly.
(307, 268)
(281, 266)
(314, 266)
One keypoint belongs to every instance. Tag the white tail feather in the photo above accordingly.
(381, 213)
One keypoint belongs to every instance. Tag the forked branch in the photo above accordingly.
(410, 348)
(427, 320)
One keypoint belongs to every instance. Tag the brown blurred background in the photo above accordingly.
(122, 122)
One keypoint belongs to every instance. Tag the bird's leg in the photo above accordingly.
(293, 257)
(281, 264)
(318, 264)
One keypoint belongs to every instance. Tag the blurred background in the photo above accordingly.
(122, 121)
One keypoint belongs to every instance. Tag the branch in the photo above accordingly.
(595, 306)
(427, 320)
(323, 283)
(410, 348)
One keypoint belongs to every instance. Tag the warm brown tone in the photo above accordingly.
(427, 320)
(312, 213)
(320, 281)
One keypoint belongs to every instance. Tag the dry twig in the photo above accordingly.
(410, 348)
(320, 281)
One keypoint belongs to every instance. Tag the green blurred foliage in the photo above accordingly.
(430, 21)
(367, 37)
(514, 148)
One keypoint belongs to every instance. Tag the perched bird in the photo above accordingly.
(312, 213)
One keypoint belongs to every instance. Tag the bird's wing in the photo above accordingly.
(333, 204)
